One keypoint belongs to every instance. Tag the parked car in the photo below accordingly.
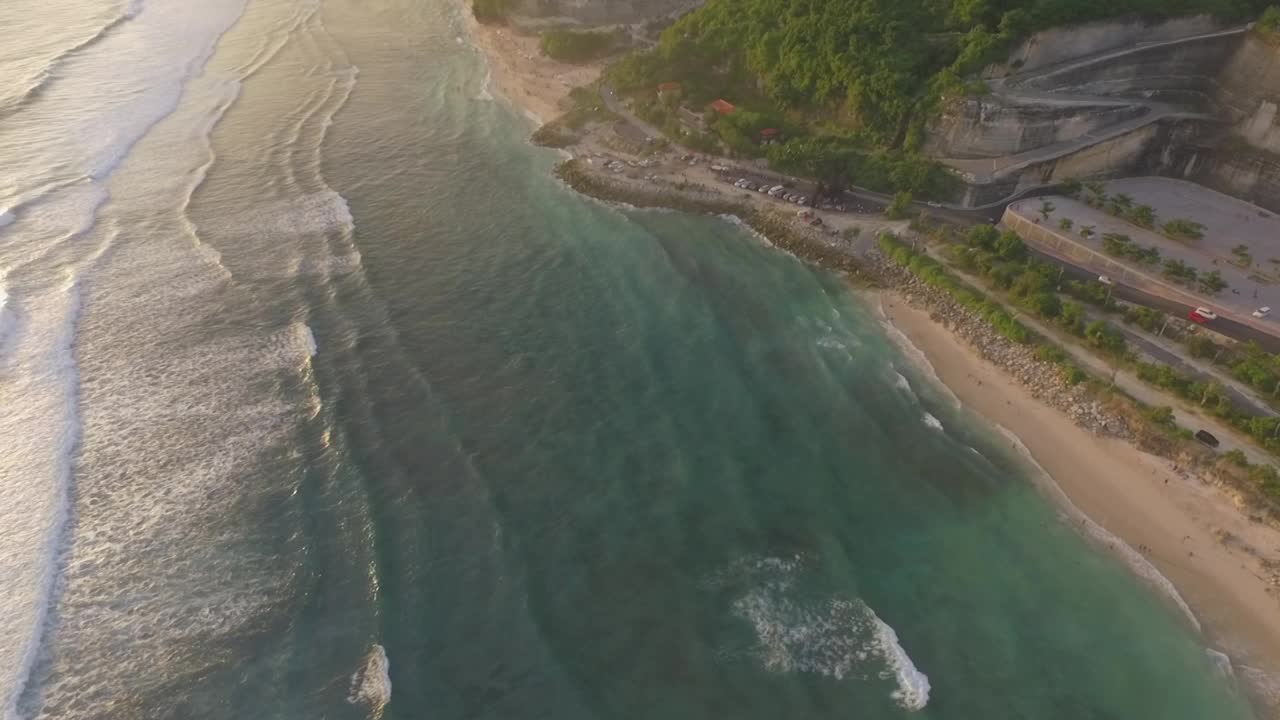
(1262, 312)
(1207, 438)
(1202, 315)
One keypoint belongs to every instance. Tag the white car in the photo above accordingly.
(1204, 313)
(1262, 311)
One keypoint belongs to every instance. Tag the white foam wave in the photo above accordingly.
(932, 422)
(917, 358)
(839, 637)
(486, 85)
(1221, 663)
(371, 683)
(42, 436)
(6, 315)
(310, 339)
(900, 381)
(913, 685)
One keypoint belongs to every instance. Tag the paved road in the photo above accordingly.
(1222, 326)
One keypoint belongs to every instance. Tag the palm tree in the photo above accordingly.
(1086, 231)
(1046, 207)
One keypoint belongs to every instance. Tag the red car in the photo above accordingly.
(1202, 315)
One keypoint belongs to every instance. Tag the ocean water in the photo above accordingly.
(320, 397)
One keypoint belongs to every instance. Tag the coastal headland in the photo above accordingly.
(1176, 524)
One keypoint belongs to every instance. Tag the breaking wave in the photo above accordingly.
(913, 685)
(832, 635)
(932, 422)
(371, 684)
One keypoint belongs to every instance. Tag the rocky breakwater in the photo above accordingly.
(1044, 380)
(785, 232)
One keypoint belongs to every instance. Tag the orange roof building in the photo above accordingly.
(724, 107)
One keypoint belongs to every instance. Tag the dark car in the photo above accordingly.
(1206, 438)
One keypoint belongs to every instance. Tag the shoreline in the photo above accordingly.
(1153, 517)
(1178, 532)
(532, 82)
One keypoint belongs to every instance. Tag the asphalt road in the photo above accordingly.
(1222, 326)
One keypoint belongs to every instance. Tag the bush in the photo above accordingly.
(579, 47)
(1236, 457)
(1162, 415)
(1211, 283)
(1180, 229)
(1074, 375)
(489, 11)
(1105, 338)
(1178, 271)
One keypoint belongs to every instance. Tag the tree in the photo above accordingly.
(982, 236)
(1086, 231)
(1270, 20)
(1097, 189)
(900, 208)
(1122, 201)
(1010, 247)
(1211, 283)
(1179, 271)
(1211, 390)
(1104, 337)
(1046, 207)
(1069, 187)
(1066, 223)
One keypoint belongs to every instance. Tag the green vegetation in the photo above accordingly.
(900, 208)
(580, 47)
(1124, 246)
(1269, 21)
(491, 11)
(1066, 223)
(1178, 271)
(875, 66)
(1211, 283)
(1180, 229)
(1027, 279)
(859, 78)
(1242, 255)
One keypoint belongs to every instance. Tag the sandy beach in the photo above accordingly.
(1175, 522)
(525, 76)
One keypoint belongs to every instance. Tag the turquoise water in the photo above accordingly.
(375, 418)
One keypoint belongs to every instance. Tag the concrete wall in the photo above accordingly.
(1170, 147)
(982, 128)
(1250, 176)
(1249, 91)
(1068, 43)
(1185, 71)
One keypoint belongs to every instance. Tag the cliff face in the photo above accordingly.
(1186, 98)
(600, 12)
(992, 127)
(1249, 91)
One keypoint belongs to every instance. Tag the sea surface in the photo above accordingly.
(321, 398)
